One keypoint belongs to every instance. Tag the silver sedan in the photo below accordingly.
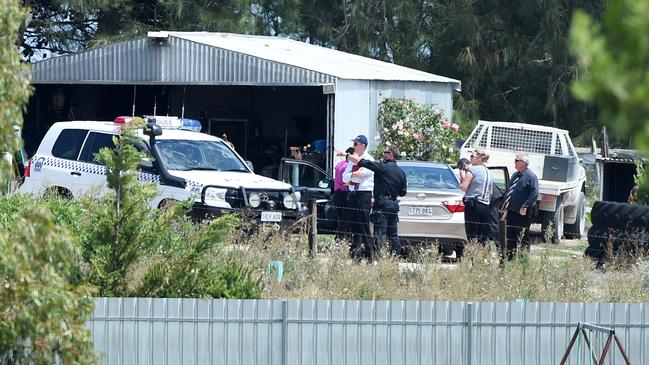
(432, 210)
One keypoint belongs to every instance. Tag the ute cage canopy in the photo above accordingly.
(519, 137)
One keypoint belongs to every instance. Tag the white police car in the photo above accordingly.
(186, 164)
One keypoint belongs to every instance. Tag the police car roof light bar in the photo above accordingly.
(191, 124)
(122, 120)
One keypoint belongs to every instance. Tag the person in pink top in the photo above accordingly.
(341, 199)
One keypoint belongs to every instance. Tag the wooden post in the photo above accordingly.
(313, 228)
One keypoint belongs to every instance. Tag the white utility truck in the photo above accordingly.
(562, 179)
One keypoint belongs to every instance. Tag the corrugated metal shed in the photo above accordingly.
(219, 58)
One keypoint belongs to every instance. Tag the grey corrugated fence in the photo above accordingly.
(334, 332)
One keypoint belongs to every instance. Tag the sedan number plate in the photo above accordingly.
(271, 216)
(421, 211)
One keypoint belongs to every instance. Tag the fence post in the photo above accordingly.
(313, 228)
(284, 331)
(469, 332)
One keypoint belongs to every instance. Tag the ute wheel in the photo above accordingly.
(577, 229)
(554, 220)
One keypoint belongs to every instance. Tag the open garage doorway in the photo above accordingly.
(262, 122)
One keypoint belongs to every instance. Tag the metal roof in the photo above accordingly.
(219, 58)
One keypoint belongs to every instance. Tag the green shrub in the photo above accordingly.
(42, 311)
(201, 266)
(419, 131)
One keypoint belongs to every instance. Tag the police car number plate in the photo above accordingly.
(271, 216)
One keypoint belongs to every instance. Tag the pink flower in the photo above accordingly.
(415, 135)
(446, 124)
(455, 127)
(437, 112)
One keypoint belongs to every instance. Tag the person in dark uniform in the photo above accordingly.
(518, 205)
(389, 184)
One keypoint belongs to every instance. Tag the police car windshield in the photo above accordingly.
(184, 155)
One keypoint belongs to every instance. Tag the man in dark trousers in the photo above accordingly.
(341, 199)
(518, 205)
(361, 184)
(389, 184)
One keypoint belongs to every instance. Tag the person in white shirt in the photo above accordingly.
(361, 184)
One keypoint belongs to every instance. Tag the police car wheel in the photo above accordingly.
(57, 192)
(167, 204)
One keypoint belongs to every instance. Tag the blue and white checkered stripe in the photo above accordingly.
(88, 168)
(147, 177)
(194, 184)
(64, 164)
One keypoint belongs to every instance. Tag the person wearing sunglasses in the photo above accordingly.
(389, 184)
(477, 187)
(518, 206)
(463, 165)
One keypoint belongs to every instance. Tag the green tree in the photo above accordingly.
(15, 90)
(122, 228)
(614, 55)
(513, 59)
(42, 311)
(57, 27)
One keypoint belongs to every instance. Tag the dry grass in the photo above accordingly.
(550, 273)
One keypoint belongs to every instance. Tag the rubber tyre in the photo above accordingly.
(57, 192)
(577, 229)
(554, 219)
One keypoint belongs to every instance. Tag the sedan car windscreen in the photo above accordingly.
(430, 177)
(184, 155)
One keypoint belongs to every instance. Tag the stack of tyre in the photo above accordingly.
(618, 227)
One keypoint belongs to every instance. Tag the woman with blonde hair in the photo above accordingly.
(477, 196)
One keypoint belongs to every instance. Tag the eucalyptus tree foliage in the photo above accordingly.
(42, 310)
(15, 84)
(389, 30)
(614, 54)
(233, 16)
(511, 56)
(56, 27)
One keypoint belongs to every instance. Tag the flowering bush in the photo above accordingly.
(419, 131)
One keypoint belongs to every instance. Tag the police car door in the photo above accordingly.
(94, 173)
(63, 169)
(313, 183)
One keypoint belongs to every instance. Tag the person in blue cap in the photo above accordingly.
(389, 184)
(361, 184)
